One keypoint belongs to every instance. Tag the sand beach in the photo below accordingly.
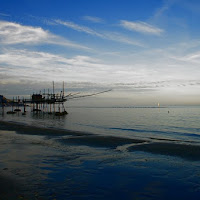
(44, 163)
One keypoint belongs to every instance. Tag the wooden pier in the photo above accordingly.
(50, 103)
(45, 102)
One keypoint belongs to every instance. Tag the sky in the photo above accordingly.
(146, 51)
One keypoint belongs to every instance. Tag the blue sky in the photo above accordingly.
(147, 51)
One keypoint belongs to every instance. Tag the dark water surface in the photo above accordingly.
(109, 153)
(181, 123)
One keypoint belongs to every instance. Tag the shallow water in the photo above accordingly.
(173, 123)
(131, 153)
(44, 168)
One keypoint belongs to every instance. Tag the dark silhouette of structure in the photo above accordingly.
(50, 103)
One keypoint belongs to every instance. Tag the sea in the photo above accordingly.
(169, 123)
(120, 152)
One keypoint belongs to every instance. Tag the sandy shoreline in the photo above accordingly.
(46, 163)
(190, 151)
(28, 129)
(11, 187)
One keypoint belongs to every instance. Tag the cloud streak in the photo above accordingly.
(35, 65)
(13, 33)
(5, 15)
(78, 28)
(112, 36)
(141, 27)
(83, 73)
(93, 19)
(166, 6)
(191, 58)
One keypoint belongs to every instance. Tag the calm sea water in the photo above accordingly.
(172, 123)
(52, 167)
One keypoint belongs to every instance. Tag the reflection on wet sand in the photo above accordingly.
(41, 163)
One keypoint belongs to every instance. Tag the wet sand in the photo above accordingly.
(190, 150)
(40, 163)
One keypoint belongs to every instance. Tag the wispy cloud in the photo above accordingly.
(113, 36)
(40, 60)
(5, 15)
(117, 37)
(193, 58)
(162, 16)
(79, 28)
(159, 84)
(141, 27)
(13, 33)
(166, 6)
(84, 71)
(37, 65)
(93, 19)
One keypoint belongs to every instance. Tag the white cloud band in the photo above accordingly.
(141, 27)
(13, 33)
